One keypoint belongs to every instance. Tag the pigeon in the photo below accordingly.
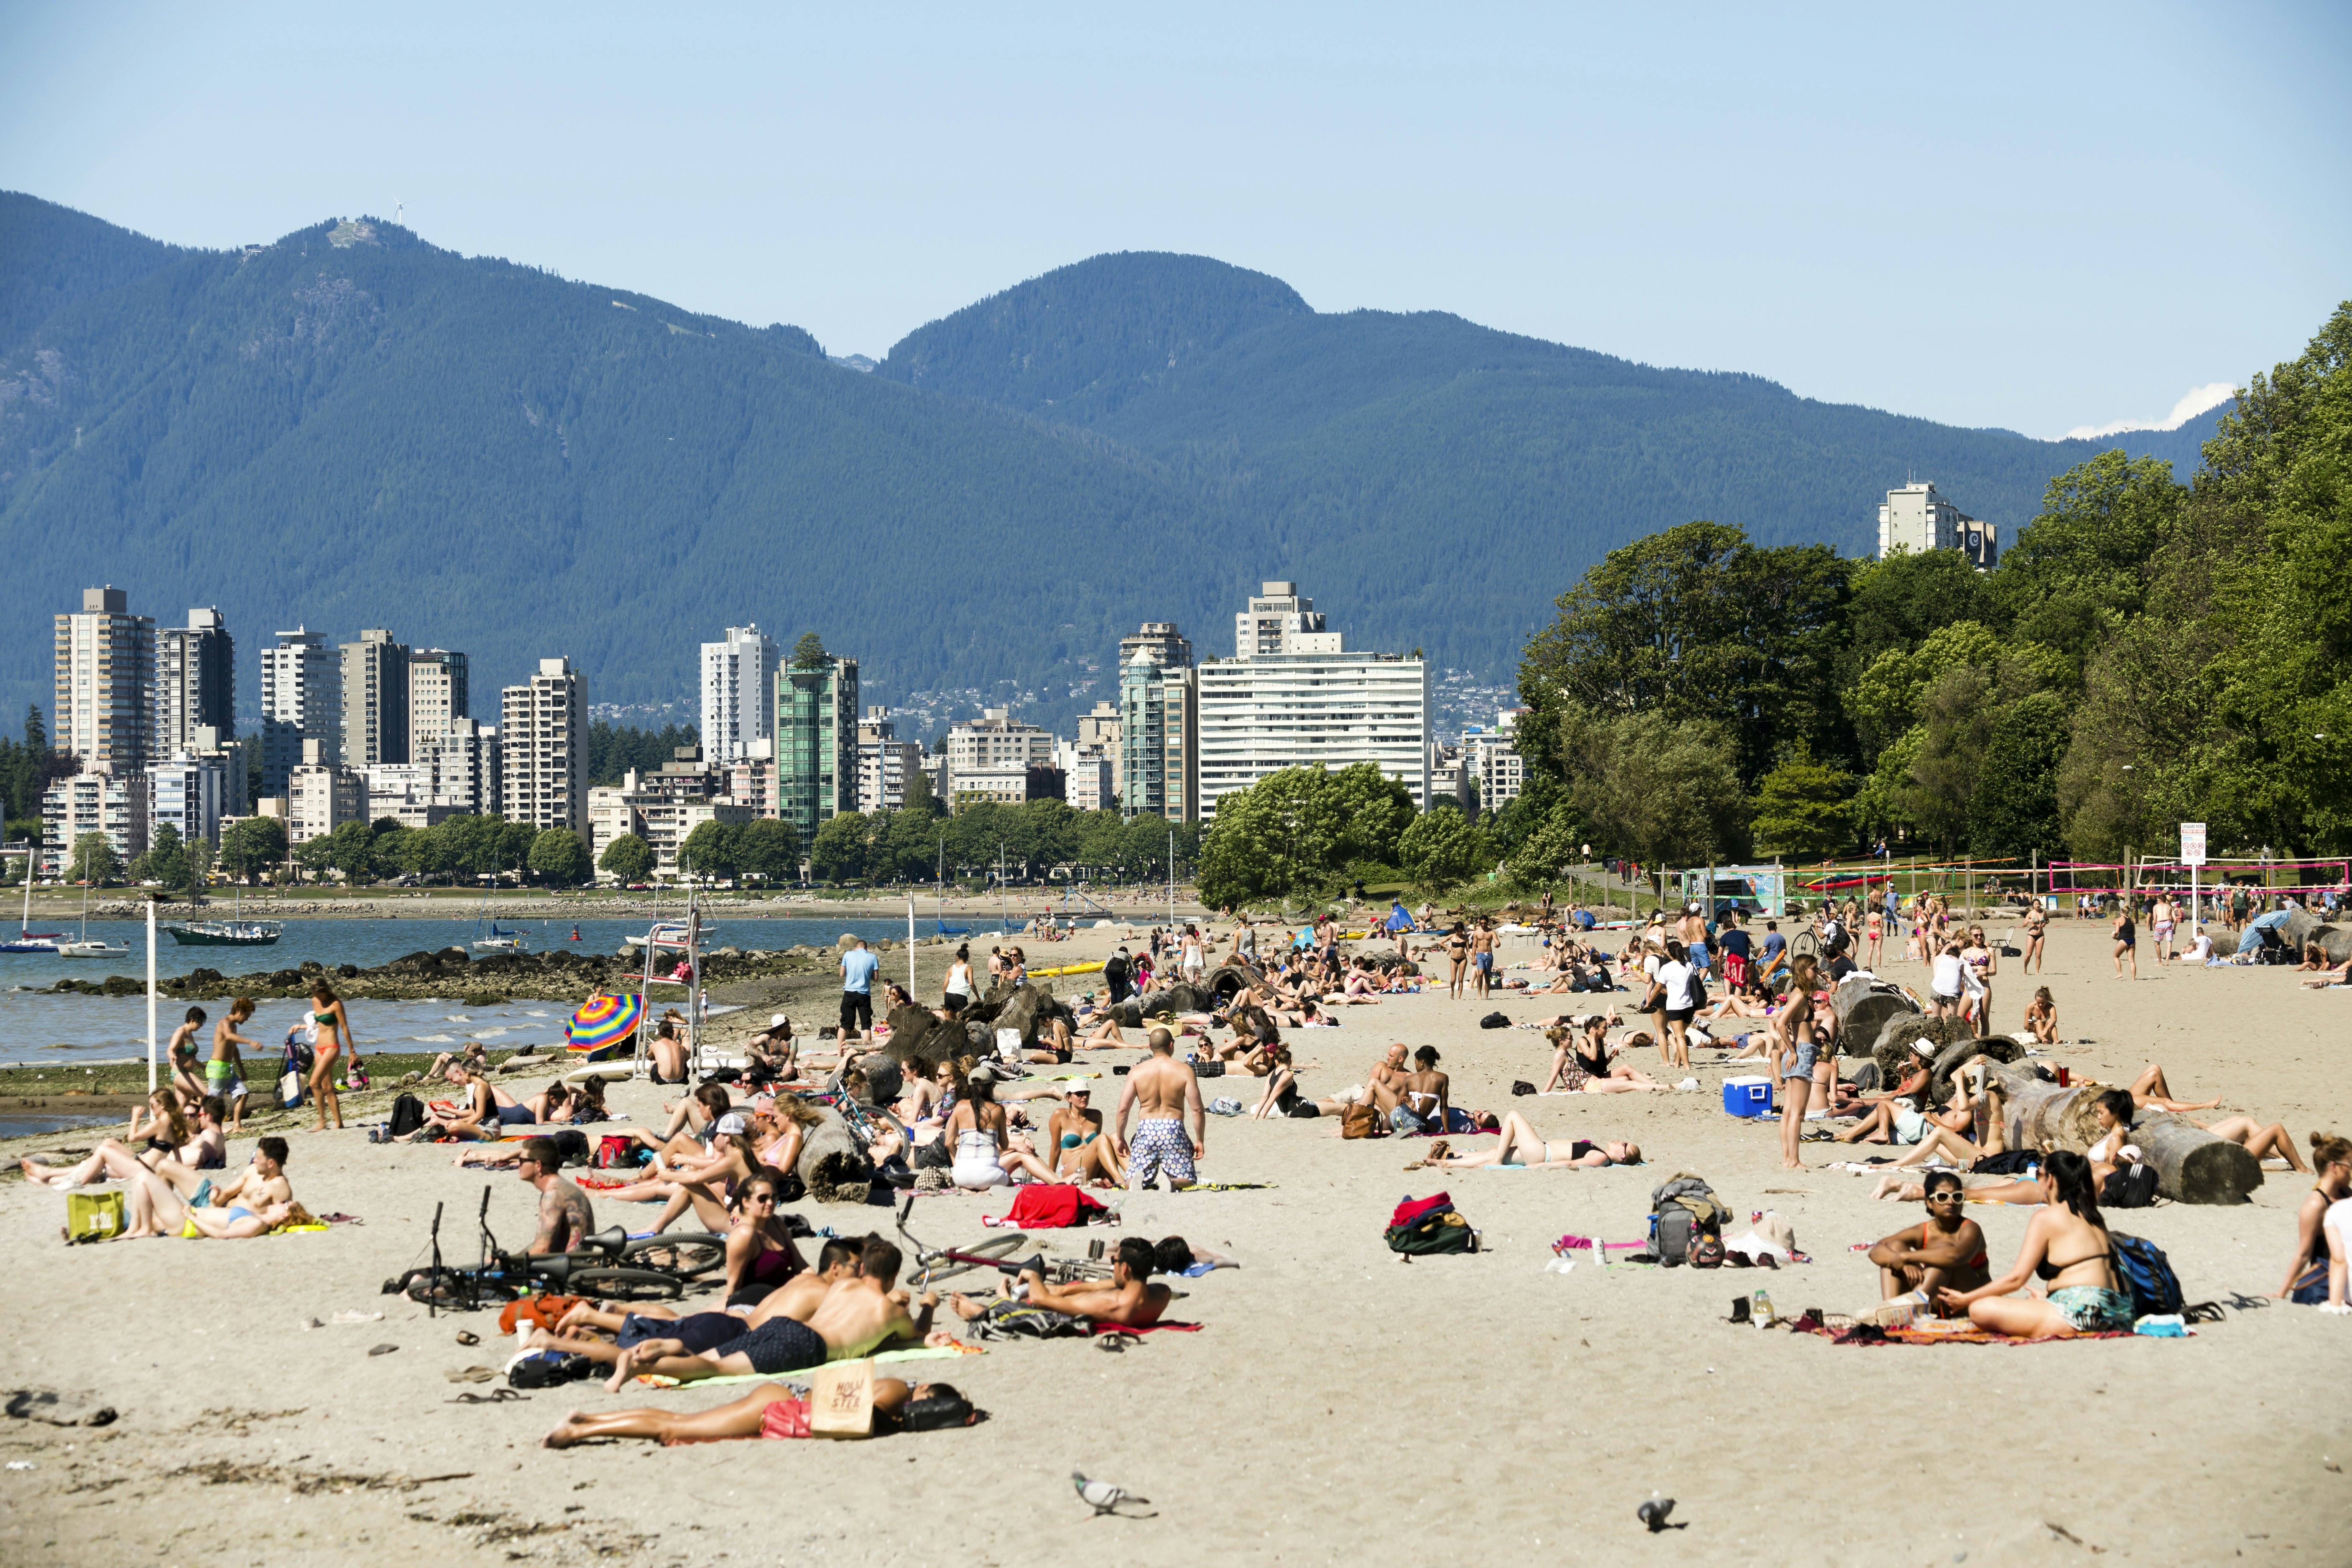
(1101, 1495)
(1653, 1512)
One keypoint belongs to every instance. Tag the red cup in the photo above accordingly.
(2065, 1079)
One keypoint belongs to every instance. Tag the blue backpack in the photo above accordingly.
(2147, 1274)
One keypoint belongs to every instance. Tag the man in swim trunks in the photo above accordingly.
(566, 1219)
(1131, 1300)
(797, 1298)
(1163, 1094)
(857, 1316)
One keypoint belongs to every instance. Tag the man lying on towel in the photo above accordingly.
(1130, 1299)
(857, 1317)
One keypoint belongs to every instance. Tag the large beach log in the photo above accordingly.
(1863, 1009)
(2336, 941)
(2297, 928)
(2192, 1166)
(1893, 1053)
(1948, 1060)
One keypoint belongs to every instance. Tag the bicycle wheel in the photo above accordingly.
(994, 1247)
(687, 1254)
(624, 1284)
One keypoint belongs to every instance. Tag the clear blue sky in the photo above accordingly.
(2042, 218)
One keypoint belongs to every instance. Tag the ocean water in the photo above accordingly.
(65, 1031)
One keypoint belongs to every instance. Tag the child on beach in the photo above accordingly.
(225, 1073)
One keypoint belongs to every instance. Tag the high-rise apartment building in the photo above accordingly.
(885, 762)
(1159, 725)
(1296, 698)
(438, 695)
(738, 694)
(1100, 728)
(322, 794)
(113, 803)
(195, 682)
(466, 760)
(301, 699)
(816, 743)
(1491, 758)
(544, 738)
(1914, 517)
(104, 711)
(375, 700)
(996, 740)
(192, 793)
(1278, 621)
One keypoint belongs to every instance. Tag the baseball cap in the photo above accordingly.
(776, 1020)
(732, 1124)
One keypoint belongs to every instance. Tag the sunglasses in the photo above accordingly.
(1944, 1197)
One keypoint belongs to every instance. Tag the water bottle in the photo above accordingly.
(1759, 1309)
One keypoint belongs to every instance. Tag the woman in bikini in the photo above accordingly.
(1457, 960)
(1590, 1066)
(978, 1131)
(1945, 1251)
(1793, 1048)
(1873, 938)
(1979, 959)
(2127, 941)
(334, 1026)
(2037, 926)
(187, 1073)
(1524, 1147)
(487, 1112)
(2042, 1017)
(2317, 1256)
(1080, 1149)
(2068, 1248)
(759, 1251)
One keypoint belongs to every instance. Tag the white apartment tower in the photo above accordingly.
(301, 699)
(1914, 517)
(104, 711)
(321, 794)
(1296, 698)
(544, 736)
(884, 762)
(438, 698)
(375, 700)
(195, 682)
(738, 676)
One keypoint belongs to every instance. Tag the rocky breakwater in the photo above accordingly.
(452, 971)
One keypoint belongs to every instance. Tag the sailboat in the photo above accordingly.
(231, 933)
(81, 946)
(499, 940)
(28, 939)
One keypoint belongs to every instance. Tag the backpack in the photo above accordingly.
(1697, 989)
(545, 1369)
(2145, 1274)
(1363, 1120)
(1682, 1208)
(614, 1152)
(1495, 1021)
(542, 1312)
(1425, 1226)
(407, 1115)
(2128, 1187)
(571, 1146)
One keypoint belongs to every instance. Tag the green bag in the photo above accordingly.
(94, 1217)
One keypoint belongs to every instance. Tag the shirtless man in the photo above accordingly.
(1130, 1299)
(1482, 959)
(1163, 1094)
(1386, 1080)
(857, 1317)
(797, 1298)
(565, 1220)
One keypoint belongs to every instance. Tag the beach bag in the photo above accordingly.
(290, 1086)
(2146, 1275)
(1421, 1227)
(614, 1152)
(1697, 989)
(1682, 1208)
(1495, 1021)
(841, 1400)
(407, 1115)
(1520, 1085)
(2128, 1187)
(1363, 1120)
(94, 1217)
(546, 1369)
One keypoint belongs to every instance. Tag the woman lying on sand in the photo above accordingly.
(2067, 1245)
(771, 1410)
(1522, 1146)
(1590, 1066)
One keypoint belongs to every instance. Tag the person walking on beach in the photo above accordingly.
(334, 1028)
(1163, 1094)
(225, 1073)
(1482, 959)
(2127, 941)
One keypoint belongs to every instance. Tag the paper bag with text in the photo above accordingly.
(841, 1400)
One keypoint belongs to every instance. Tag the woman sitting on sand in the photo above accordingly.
(2315, 1274)
(761, 1255)
(1523, 1147)
(160, 1121)
(1590, 1066)
(2067, 1245)
(486, 1112)
(978, 1130)
(1945, 1250)
(2042, 1017)
(1080, 1148)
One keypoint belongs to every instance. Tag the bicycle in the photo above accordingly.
(609, 1265)
(998, 1253)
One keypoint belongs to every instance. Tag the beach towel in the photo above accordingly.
(1169, 1326)
(1870, 1334)
(1044, 1207)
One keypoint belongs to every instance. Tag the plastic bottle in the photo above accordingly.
(1760, 1309)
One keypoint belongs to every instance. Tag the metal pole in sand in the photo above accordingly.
(910, 942)
(150, 995)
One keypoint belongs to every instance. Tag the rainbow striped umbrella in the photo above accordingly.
(604, 1021)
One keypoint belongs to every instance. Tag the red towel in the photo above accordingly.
(1050, 1207)
(1171, 1326)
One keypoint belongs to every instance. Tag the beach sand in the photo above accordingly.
(1340, 1404)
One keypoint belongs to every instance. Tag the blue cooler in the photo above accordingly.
(1748, 1096)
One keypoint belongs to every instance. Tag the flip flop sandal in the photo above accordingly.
(471, 1374)
(498, 1396)
(1117, 1343)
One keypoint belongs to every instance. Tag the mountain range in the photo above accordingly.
(352, 427)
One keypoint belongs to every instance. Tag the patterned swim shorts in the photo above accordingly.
(1159, 1145)
(2092, 1309)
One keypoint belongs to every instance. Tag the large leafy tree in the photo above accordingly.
(1663, 791)
(253, 846)
(1287, 834)
(843, 847)
(558, 857)
(1443, 848)
(769, 849)
(628, 858)
(1695, 624)
(712, 850)
(2015, 810)
(93, 859)
(1802, 807)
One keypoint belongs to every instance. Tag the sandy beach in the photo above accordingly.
(1338, 1404)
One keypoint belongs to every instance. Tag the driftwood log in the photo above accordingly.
(1893, 1053)
(1864, 1009)
(2192, 1166)
(2336, 941)
(1184, 996)
(1228, 979)
(833, 1165)
(1949, 1059)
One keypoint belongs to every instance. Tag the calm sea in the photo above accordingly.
(68, 1030)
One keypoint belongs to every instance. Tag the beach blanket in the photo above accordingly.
(1042, 1207)
(1871, 1334)
(1170, 1325)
